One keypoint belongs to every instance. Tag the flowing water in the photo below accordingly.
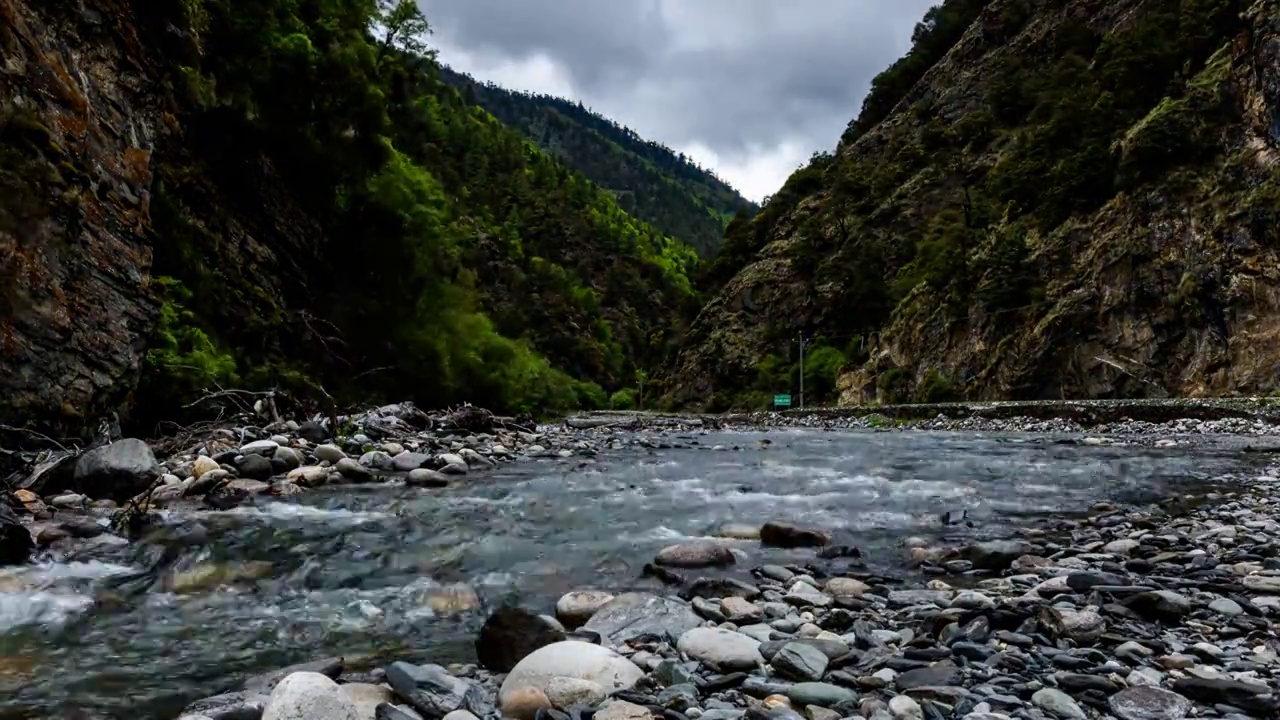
(361, 571)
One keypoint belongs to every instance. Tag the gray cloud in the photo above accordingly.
(736, 76)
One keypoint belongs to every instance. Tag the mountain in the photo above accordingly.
(650, 181)
(1042, 199)
(208, 197)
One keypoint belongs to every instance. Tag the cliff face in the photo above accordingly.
(108, 192)
(1079, 199)
(78, 126)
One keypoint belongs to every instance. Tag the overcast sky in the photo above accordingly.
(749, 88)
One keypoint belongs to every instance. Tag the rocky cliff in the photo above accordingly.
(209, 194)
(1076, 198)
(78, 127)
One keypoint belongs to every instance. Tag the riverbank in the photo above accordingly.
(1130, 613)
(873, 628)
(1214, 415)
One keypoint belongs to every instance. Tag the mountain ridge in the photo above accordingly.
(1072, 200)
(649, 180)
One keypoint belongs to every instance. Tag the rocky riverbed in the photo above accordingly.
(886, 574)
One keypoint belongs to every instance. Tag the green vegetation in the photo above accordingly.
(438, 255)
(648, 180)
(955, 221)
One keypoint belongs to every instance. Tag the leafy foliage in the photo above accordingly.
(648, 180)
(459, 262)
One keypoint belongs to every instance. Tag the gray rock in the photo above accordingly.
(575, 608)
(723, 650)
(431, 690)
(424, 477)
(1083, 626)
(699, 554)
(259, 447)
(572, 658)
(329, 453)
(799, 661)
(1057, 703)
(821, 694)
(631, 615)
(308, 696)
(1226, 606)
(1145, 702)
(406, 461)
(353, 471)
(254, 467)
(117, 471)
(387, 711)
(229, 706)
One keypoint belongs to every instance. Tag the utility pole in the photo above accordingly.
(803, 341)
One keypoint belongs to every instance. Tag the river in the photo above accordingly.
(353, 570)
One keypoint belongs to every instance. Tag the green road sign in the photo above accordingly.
(782, 401)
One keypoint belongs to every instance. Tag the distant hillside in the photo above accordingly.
(649, 180)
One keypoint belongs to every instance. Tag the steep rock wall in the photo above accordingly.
(81, 123)
(1163, 284)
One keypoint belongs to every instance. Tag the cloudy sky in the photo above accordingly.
(750, 88)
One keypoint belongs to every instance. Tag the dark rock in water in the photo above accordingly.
(255, 467)
(832, 552)
(997, 554)
(720, 588)
(313, 432)
(15, 541)
(229, 706)
(1145, 702)
(266, 682)
(431, 690)
(510, 634)
(954, 517)
(787, 535)
(700, 554)
(631, 615)
(82, 527)
(117, 471)
(669, 577)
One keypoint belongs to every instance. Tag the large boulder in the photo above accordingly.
(571, 659)
(722, 649)
(510, 634)
(117, 471)
(308, 696)
(16, 543)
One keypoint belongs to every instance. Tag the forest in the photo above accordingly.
(465, 263)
